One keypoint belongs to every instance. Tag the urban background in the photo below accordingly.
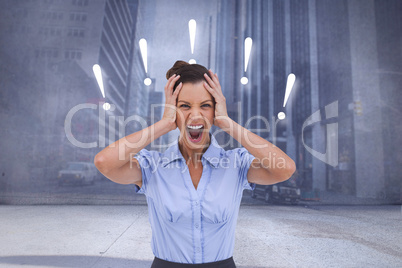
(345, 54)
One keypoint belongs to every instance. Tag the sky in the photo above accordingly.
(169, 39)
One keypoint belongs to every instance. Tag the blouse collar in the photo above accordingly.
(212, 154)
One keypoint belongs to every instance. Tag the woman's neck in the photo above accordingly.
(190, 155)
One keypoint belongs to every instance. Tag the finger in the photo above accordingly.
(209, 88)
(216, 85)
(173, 77)
(209, 80)
(177, 90)
(215, 78)
(173, 82)
(168, 82)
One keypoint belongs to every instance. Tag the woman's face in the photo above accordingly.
(195, 115)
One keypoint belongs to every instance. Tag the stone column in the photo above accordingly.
(290, 138)
(271, 66)
(369, 157)
(318, 131)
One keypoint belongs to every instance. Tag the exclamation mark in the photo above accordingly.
(144, 54)
(289, 87)
(248, 44)
(98, 75)
(192, 27)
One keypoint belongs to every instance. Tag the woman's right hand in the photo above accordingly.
(169, 114)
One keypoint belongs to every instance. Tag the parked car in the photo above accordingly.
(286, 192)
(78, 173)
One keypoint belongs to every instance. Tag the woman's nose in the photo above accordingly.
(195, 112)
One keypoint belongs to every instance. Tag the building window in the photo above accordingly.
(19, 29)
(52, 15)
(46, 52)
(72, 54)
(80, 2)
(50, 31)
(20, 13)
(78, 16)
(76, 32)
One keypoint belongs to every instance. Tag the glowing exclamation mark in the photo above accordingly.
(192, 27)
(248, 44)
(144, 55)
(98, 75)
(289, 87)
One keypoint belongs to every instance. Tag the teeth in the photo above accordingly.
(195, 127)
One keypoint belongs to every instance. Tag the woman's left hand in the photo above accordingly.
(213, 86)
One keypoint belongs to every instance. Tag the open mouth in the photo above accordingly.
(195, 132)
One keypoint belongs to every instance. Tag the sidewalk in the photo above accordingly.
(128, 197)
(331, 198)
(266, 236)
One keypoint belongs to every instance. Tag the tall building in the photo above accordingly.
(115, 51)
(333, 83)
(388, 31)
(376, 79)
(342, 54)
(48, 48)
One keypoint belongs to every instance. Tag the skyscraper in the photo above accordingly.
(333, 48)
(48, 50)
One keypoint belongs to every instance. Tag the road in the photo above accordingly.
(103, 191)
(266, 236)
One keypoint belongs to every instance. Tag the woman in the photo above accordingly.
(194, 188)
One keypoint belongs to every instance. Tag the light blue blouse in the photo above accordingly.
(194, 225)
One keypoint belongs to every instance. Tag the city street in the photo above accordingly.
(311, 89)
(101, 192)
(106, 192)
(266, 236)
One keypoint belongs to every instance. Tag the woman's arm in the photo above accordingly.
(271, 165)
(116, 161)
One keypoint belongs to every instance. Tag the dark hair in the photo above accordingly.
(189, 73)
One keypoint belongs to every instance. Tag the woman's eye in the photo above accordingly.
(184, 105)
(206, 105)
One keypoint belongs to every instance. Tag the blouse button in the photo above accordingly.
(196, 225)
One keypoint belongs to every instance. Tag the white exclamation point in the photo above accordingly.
(289, 87)
(98, 75)
(192, 27)
(248, 44)
(144, 55)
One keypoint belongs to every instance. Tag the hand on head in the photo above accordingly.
(193, 73)
(169, 113)
(214, 87)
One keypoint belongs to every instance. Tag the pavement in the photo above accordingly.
(105, 192)
(266, 236)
